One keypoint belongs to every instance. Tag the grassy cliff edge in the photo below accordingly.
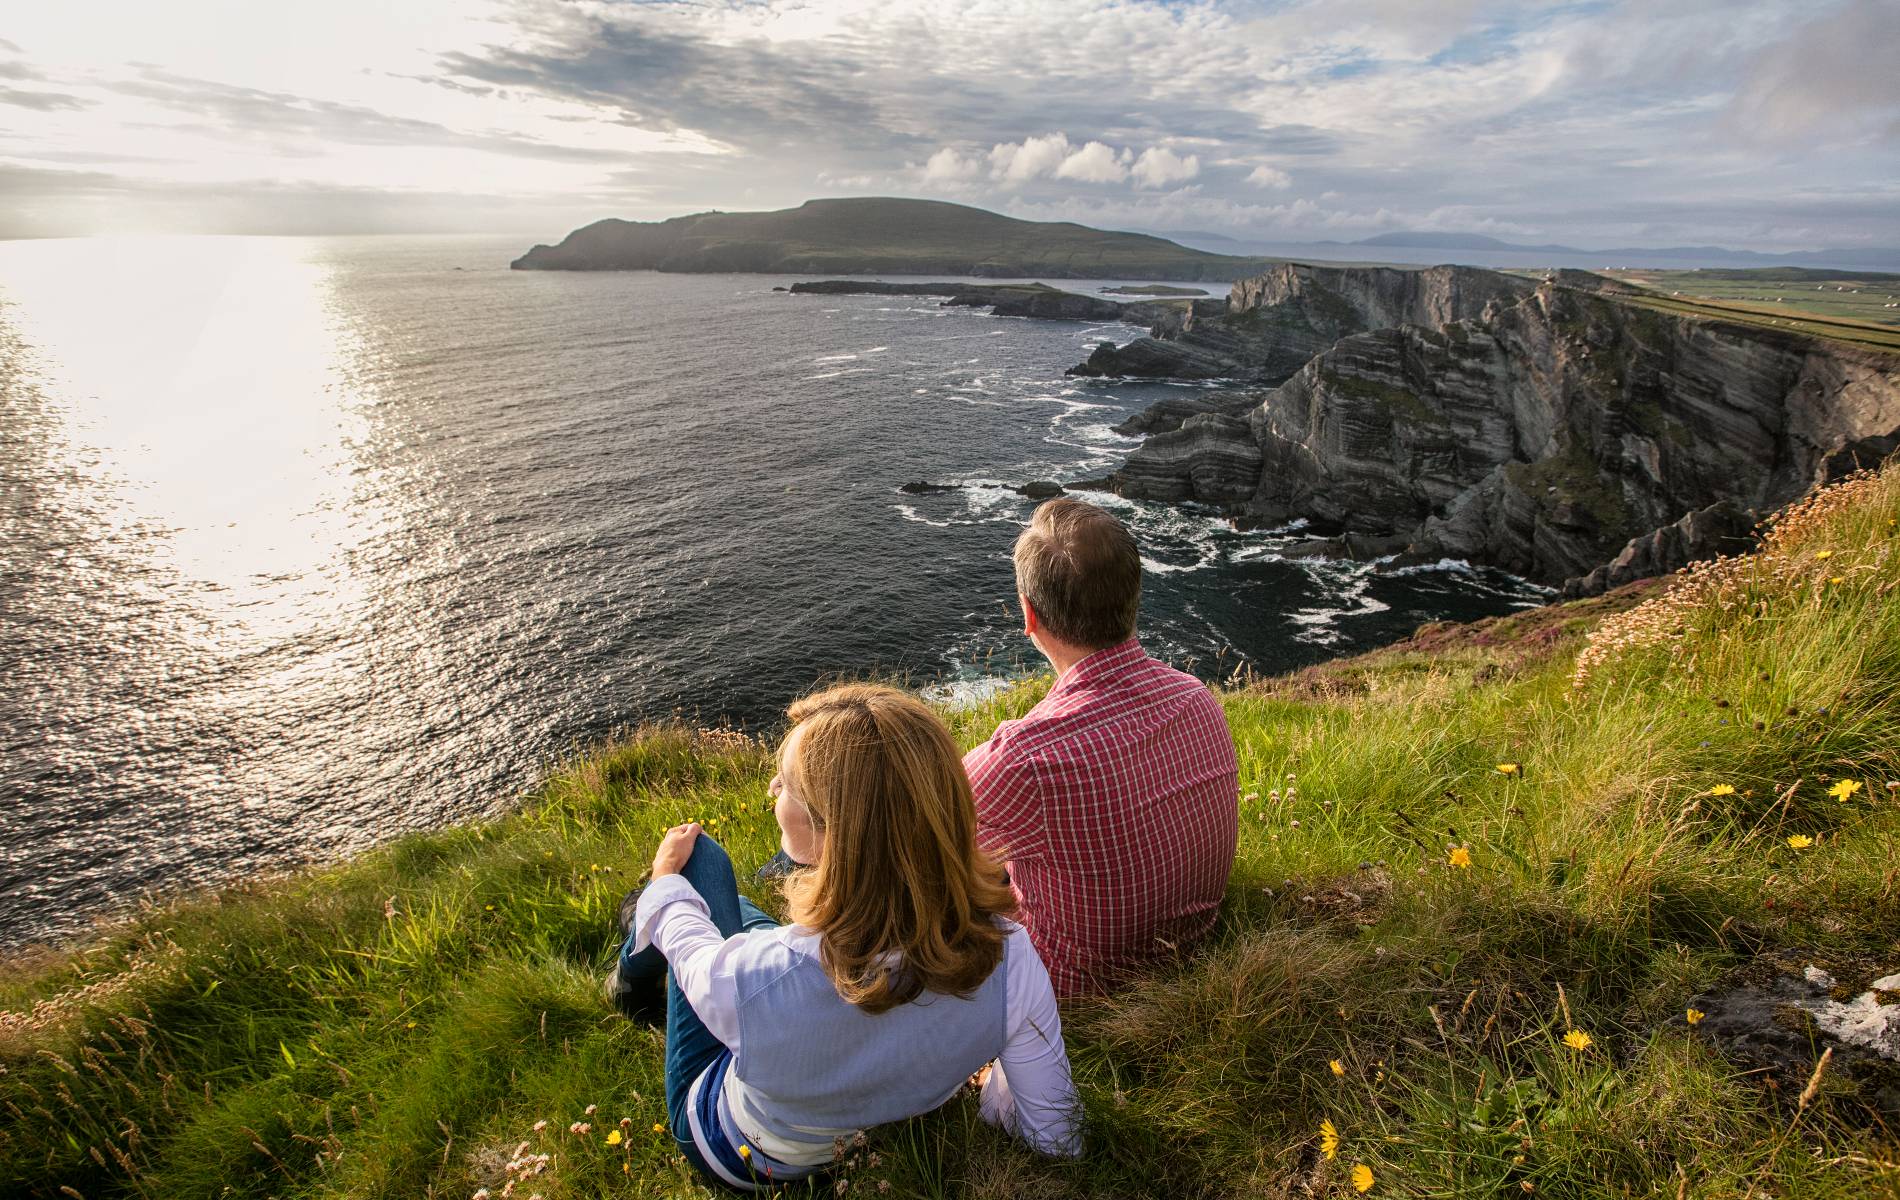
(1484, 876)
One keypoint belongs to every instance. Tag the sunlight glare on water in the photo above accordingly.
(202, 375)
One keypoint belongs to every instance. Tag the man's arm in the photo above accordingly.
(1008, 802)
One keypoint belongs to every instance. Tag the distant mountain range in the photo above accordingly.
(883, 236)
(1863, 259)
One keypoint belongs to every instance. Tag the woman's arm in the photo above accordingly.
(1030, 1092)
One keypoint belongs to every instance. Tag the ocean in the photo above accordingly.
(308, 542)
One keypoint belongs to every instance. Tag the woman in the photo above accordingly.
(898, 977)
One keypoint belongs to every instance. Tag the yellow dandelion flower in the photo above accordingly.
(1722, 789)
(1338, 1068)
(1328, 1140)
(745, 1152)
(1800, 841)
(1508, 768)
(614, 1138)
(1823, 555)
(1577, 1039)
(1837, 579)
(1694, 1016)
(1361, 1178)
(1844, 789)
(658, 1128)
(1461, 858)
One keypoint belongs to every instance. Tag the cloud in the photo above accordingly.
(1585, 121)
(745, 93)
(1094, 163)
(1158, 168)
(1833, 81)
(51, 202)
(1053, 156)
(1032, 158)
(948, 165)
(252, 112)
(42, 101)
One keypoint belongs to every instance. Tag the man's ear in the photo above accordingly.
(1031, 623)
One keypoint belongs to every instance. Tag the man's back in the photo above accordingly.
(1114, 801)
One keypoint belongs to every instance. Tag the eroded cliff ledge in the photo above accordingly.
(1274, 323)
(1550, 429)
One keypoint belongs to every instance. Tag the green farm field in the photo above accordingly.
(1851, 306)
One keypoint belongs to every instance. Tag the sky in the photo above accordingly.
(1764, 124)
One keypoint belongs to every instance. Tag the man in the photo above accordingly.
(1114, 800)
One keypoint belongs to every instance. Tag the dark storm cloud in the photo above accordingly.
(743, 95)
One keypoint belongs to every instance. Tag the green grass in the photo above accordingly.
(396, 1025)
(1845, 306)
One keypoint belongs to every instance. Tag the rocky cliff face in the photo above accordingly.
(1274, 323)
(1542, 435)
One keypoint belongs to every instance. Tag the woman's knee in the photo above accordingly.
(709, 862)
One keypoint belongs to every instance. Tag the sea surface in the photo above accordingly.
(308, 542)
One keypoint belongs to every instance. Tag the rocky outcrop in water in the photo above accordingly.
(1035, 300)
(1273, 323)
(1165, 416)
(1544, 434)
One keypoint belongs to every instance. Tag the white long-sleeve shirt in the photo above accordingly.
(1029, 1092)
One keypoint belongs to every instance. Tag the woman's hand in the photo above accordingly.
(675, 848)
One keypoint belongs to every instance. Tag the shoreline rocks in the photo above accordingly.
(1037, 301)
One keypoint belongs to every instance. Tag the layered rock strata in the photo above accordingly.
(1552, 435)
(1273, 323)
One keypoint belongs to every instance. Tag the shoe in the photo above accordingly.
(641, 1000)
(778, 867)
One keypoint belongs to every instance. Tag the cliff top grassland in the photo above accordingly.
(1486, 880)
(1858, 307)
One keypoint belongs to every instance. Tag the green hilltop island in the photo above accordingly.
(1595, 899)
(877, 235)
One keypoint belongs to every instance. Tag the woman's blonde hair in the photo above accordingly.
(904, 899)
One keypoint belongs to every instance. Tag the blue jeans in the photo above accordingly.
(690, 1048)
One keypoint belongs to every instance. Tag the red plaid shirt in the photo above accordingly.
(1115, 802)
